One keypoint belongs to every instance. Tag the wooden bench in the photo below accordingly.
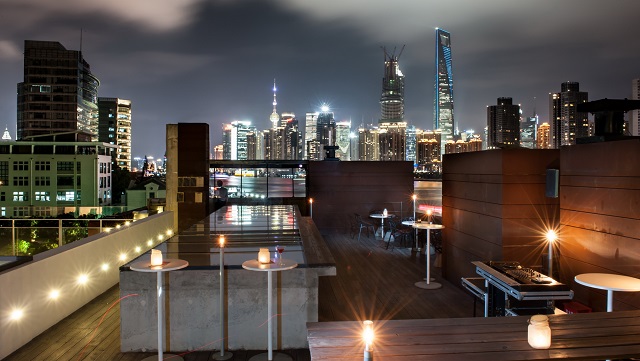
(586, 336)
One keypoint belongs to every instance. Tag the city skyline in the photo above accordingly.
(214, 62)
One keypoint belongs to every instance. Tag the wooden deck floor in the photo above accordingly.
(371, 283)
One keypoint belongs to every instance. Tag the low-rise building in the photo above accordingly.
(53, 175)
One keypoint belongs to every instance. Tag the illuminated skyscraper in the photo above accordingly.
(443, 102)
(58, 93)
(567, 124)
(528, 129)
(542, 141)
(114, 127)
(392, 125)
(236, 138)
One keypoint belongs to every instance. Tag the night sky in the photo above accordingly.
(214, 61)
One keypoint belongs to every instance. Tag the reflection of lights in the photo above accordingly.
(16, 314)
(83, 279)
(107, 229)
(127, 223)
(169, 233)
(138, 249)
(117, 226)
(160, 237)
(150, 242)
(123, 256)
(104, 267)
(54, 294)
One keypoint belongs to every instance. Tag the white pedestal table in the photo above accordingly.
(167, 265)
(254, 265)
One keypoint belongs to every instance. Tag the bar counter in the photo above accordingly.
(585, 336)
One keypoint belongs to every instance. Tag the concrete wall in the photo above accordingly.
(600, 217)
(27, 286)
(340, 188)
(494, 208)
(192, 311)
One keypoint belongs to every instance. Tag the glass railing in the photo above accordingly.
(27, 237)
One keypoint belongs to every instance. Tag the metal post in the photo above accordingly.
(60, 233)
(13, 236)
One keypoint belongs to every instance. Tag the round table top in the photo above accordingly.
(427, 225)
(254, 265)
(380, 215)
(167, 265)
(609, 281)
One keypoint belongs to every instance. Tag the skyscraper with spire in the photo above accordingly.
(443, 102)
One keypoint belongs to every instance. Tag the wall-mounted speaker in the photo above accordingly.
(553, 181)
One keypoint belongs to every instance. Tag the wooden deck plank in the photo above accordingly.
(370, 282)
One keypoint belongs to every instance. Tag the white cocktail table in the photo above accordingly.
(167, 265)
(427, 284)
(254, 265)
(609, 282)
(381, 217)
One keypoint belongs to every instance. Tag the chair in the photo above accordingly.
(362, 224)
(401, 235)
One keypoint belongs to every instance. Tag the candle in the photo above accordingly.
(429, 215)
(156, 257)
(367, 336)
(384, 213)
(539, 332)
(311, 206)
(264, 256)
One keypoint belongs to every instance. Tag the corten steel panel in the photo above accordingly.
(488, 209)
(606, 201)
(340, 189)
(610, 252)
(475, 224)
(611, 159)
(620, 226)
(511, 182)
(480, 248)
(457, 263)
(600, 182)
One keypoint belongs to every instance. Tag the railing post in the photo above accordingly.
(13, 236)
(60, 233)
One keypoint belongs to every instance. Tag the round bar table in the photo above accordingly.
(411, 223)
(381, 217)
(167, 265)
(254, 265)
(427, 284)
(609, 282)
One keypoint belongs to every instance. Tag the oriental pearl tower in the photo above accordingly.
(275, 118)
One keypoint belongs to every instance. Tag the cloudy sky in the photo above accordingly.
(214, 61)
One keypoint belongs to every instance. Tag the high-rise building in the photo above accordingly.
(503, 123)
(320, 131)
(114, 127)
(410, 141)
(392, 99)
(368, 144)
(391, 140)
(392, 127)
(544, 137)
(428, 151)
(235, 140)
(443, 102)
(58, 93)
(343, 140)
(634, 123)
(528, 129)
(566, 123)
